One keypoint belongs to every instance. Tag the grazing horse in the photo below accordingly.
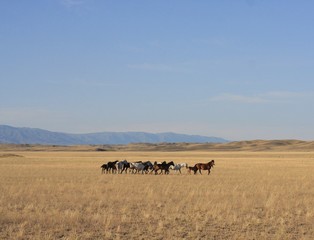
(122, 166)
(104, 168)
(112, 166)
(205, 166)
(162, 167)
(177, 167)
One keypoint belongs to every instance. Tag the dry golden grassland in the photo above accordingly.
(248, 195)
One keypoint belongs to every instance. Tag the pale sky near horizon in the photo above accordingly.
(239, 70)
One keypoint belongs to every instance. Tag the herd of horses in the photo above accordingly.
(157, 167)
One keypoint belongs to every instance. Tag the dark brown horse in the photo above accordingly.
(162, 167)
(204, 166)
(190, 169)
(112, 166)
(104, 168)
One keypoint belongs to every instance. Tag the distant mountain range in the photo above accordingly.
(16, 135)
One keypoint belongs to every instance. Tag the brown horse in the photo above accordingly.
(190, 169)
(204, 166)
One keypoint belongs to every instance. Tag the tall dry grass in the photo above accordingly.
(249, 195)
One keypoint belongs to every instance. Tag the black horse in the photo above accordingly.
(162, 167)
(104, 168)
(112, 166)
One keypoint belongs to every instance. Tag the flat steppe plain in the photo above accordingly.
(248, 195)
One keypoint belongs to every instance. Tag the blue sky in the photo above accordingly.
(239, 70)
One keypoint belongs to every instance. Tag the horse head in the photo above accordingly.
(212, 163)
(171, 163)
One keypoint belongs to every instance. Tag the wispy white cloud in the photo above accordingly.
(226, 97)
(268, 97)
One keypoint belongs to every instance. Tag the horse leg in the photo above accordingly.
(180, 170)
(200, 171)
